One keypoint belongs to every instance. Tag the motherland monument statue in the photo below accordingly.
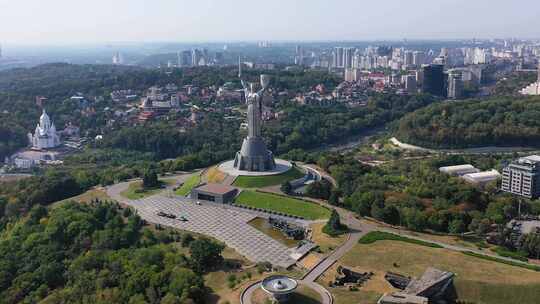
(254, 156)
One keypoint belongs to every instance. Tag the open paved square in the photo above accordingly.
(226, 223)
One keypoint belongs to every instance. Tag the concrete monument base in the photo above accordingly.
(281, 166)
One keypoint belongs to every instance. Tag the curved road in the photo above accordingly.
(477, 150)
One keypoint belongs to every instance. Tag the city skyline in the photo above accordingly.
(66, 22)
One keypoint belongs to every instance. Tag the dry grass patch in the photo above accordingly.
(326, 243)
(377, 284)
(345, 296)
(213, 175)
(86, 197)
(477, 280)
(309, 261)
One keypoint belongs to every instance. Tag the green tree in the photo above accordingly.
(150, 179)
(334, 226)
(205, 253)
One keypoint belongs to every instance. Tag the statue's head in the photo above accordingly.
(265, 81)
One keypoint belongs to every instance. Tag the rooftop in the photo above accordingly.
(531, 159)
(485, 176)
(459, 169)
(430, 278)
(216, 188)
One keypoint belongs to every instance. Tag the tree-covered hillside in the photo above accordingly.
(98, 253)
(501, 121)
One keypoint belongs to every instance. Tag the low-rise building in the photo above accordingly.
(459, 170)
(482, 178)
(215, 193)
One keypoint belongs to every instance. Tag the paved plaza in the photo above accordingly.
(225, 223)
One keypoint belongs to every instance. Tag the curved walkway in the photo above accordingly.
(478, 150)
(309, 279)
(326, 297)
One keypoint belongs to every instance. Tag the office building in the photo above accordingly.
(410, 83)
(433, 82)
(522, 177)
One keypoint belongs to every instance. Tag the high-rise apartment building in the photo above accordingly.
(522, 177)
(338, 57)
(184, 59)
(419, 58)
(348, 54)
(408, 58)
(455, 84)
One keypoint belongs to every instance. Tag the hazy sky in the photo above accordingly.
(76, 21)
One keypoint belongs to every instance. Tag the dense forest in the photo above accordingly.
(501, 121)
(99, 253)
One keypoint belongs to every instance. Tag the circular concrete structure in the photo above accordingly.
(281, 166)
(279, 287)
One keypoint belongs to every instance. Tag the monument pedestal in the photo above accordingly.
(254, 156)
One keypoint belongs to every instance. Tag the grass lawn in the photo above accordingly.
(375, 236)
(264, 181)
(189, 184)
(518, 255)
(477, 280)
(326, 243)
(135, 190)
(283, 204)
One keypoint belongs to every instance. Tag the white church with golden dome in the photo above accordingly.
(45, 136)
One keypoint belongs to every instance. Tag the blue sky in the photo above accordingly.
(88, 21)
